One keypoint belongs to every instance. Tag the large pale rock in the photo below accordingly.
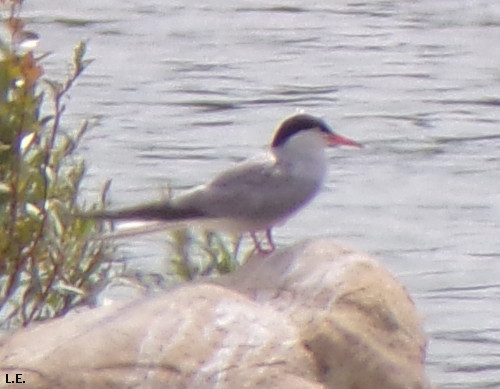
(314, 316)
(353, 315)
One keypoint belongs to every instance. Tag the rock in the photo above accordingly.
(313, 316)
(357, 320)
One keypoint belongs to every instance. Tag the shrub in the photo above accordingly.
(47, 264)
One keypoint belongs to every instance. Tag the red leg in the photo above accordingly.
(258, 245)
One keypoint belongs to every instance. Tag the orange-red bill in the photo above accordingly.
(336, 139)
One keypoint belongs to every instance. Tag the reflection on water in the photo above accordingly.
(181, 91)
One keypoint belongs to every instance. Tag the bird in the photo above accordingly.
(257, 194)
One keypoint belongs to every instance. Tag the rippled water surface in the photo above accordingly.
(181, 91)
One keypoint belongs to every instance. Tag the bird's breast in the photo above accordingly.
(311, 169)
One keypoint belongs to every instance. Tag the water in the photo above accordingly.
(181, 91)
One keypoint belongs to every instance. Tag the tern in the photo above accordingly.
(257, 194)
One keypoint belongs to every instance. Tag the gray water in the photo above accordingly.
(180, 91)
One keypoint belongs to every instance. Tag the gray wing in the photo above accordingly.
(259, 190)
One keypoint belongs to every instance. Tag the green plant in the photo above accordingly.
(47, 264)
(197, 253)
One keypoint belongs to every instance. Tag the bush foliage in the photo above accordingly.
(47, 266)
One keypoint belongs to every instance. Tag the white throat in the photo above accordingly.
(304, 154)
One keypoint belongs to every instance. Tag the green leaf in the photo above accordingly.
(68, 289)
(55, 86)
(33, 210)
(5, 188)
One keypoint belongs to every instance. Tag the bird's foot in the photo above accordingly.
(258, 247)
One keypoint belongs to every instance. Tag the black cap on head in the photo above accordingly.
(295, 124)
